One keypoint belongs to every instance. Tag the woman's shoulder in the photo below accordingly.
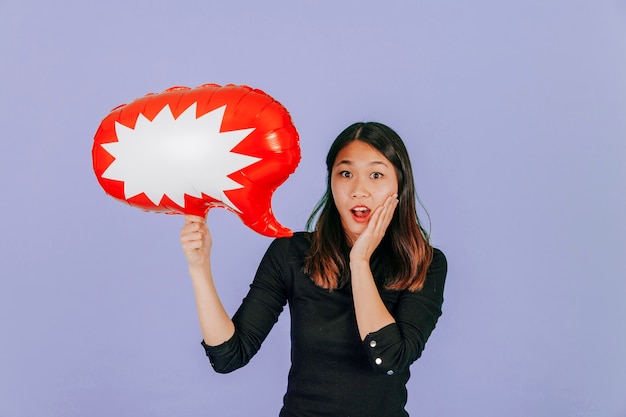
(438, 264)
(300, 236)
(299, 242)
(438, 256)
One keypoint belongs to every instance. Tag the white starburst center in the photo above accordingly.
(176, 156)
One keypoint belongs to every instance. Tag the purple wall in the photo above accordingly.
(515, 117)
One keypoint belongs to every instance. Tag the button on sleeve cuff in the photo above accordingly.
(385, 352)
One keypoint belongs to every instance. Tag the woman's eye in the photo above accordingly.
(346, 174)
(376, 175)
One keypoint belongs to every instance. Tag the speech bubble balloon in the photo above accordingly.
(187, 150)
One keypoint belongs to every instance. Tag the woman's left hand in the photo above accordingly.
(368, 241)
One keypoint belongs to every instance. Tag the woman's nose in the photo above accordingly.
(359, 189)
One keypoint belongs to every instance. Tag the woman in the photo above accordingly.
(364, 287)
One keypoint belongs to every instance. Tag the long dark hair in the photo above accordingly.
(406, 242)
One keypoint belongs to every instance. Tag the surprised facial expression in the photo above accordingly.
(361, 180)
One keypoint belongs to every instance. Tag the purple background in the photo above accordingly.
(515, 117)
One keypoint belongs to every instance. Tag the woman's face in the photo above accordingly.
(361, 180)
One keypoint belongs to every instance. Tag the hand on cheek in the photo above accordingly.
(369, 240)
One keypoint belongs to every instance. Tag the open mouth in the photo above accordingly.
(361, 213)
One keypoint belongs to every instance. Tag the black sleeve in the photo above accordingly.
(396, 346)
(257, 314)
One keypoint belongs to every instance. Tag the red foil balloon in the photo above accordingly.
(187, 150)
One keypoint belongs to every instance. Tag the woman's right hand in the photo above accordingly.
(216, 325)
(196, 240)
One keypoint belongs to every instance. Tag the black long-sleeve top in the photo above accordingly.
(333, 372)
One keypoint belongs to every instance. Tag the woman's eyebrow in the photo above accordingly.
(350, 162)
(378, 163)
(344, 161)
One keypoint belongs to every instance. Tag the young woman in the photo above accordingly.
(364, 286)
